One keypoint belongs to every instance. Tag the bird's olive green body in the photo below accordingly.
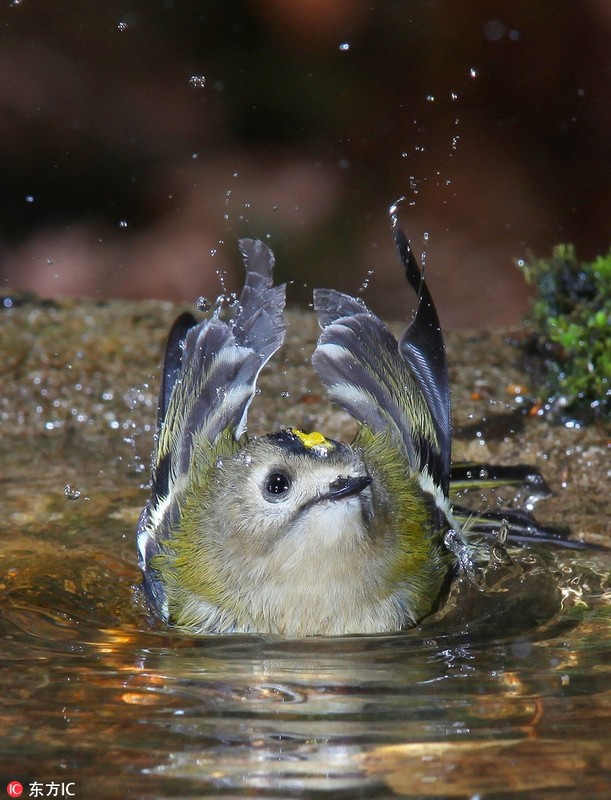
(361, 564)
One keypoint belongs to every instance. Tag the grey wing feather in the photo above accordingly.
(423, 348)
(259, 321)
(221, 362)
(358, 360)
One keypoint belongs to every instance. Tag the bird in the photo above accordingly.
(293, 533)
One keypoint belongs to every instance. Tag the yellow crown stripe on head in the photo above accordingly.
(311, 440)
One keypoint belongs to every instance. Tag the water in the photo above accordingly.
(505, 695)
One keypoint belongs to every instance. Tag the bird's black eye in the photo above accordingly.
(277, 484)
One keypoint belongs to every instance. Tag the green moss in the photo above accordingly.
(570, 318)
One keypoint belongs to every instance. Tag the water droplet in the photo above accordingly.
(430, 98)
(404, 155)
(370, 272)
(29, 198)
(285, 394)
(454, 95)
(71, 493)
(514, 35)
(197, 81)
(344, 163)
(344, 46)
(225, 300)
(454, 542)
(128, 21)
(123, 223)
(473, 72)
(203, 304)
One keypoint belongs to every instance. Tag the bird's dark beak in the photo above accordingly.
(347, 487)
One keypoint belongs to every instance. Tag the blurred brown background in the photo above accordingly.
(139, 139)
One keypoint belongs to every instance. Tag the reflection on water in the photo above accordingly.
(504, 693)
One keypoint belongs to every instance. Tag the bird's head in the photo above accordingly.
(290, 491)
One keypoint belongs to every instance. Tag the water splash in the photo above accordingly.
(197, 81)
(366, 281)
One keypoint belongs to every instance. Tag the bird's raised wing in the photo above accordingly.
(398, 388)
(423, 348)
(211, 368)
